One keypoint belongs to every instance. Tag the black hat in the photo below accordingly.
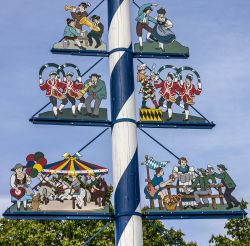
(70, 74)
(53, 73)
(95, 74)
(189, 76)
(95, 17)
(171, 75)
(222, 167)
(146, 9)
(85, 5)
(69, 21)
(161, 11)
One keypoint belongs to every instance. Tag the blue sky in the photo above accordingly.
(216, 33)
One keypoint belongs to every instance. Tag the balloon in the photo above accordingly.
(42, 161)
(28, 170)
(30, 157)
(33, 173)
(30, 164)
(38, 167)
(38, 155)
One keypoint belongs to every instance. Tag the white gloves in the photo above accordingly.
(40, 81)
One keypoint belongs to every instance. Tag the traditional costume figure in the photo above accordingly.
(71, 33)
(78, 15)
(77, 192)
(168, 92)
(54, 90)
(185, 176)
(98, 189)
(159, 191)
(203, 185)
(96, 90)
(20, 186)
(162, 30)
(96, 35)
(187, 94)
(147, 88)
(143, 20)
(73, 92)
(230, 185)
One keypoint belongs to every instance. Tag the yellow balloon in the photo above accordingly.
(38, 167)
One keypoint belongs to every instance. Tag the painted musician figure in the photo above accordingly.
(20, 190)
(185, 176)
(78, 15)
(168, 91)
(147, 88)
(55, 91)
(96, 90)
(187, 94)
(96, 34)
(159, 187)
(73, 92)
(71, 33)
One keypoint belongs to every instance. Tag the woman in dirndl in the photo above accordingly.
(162, 30)
(21, 191)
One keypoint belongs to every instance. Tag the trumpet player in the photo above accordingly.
(71, 33)
(94, 34)
(78, 13)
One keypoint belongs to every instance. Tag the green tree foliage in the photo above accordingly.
(69, 233)
(238, 232)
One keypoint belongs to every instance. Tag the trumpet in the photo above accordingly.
(84, 21)
(71, 8)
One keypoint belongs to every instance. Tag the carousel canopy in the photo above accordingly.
(73, 165)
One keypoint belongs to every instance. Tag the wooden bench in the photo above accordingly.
(212, 196)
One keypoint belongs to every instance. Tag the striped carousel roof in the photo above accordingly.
(73, 165)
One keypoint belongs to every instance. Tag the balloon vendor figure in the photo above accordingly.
(19, 182)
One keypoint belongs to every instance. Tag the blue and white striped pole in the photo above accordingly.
(128, 221)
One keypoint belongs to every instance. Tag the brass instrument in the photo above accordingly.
(85, 89)
(84, 21)
(71, 8)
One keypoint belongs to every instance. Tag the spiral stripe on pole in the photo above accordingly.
(128, 222)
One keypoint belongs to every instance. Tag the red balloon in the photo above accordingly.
(28, 170)
(30, 157)
(42, 161)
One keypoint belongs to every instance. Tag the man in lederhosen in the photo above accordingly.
(78, 15)
(187, 94)
(54, 90)
(143, 20)
(73, 92)
(96, 35)
(168, 91)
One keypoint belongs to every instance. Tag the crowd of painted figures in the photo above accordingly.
(67, 89)
(170, 91)
(197, 184)
(59, 187)
(74, 32)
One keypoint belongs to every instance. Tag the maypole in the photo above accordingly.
(128, 221)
